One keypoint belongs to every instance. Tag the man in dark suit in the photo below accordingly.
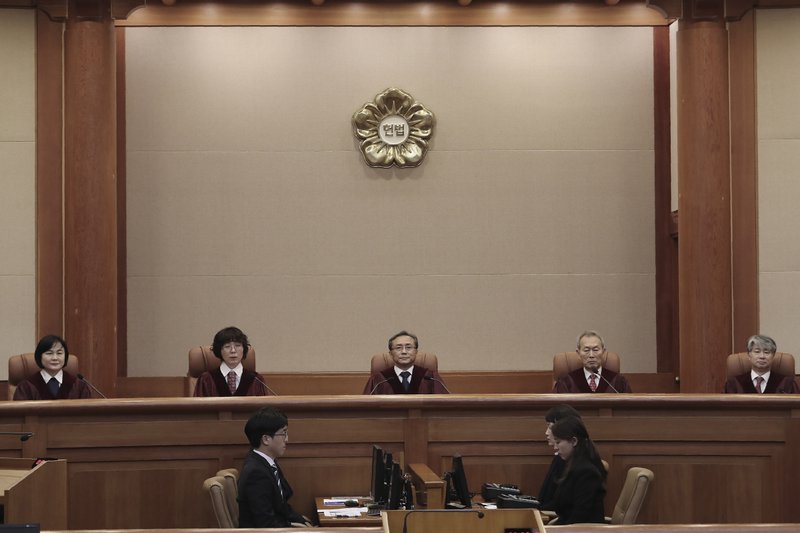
(592, 377)
(404, 377)
(761, 379)
(263, 491)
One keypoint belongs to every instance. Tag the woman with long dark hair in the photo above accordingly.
(582, 487)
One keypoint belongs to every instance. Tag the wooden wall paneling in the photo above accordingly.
(378, 13)
(49, 182)
(704, 256)
(90, 198)
(717, 458)
(666, 247)
(744, 180)
(122, 217)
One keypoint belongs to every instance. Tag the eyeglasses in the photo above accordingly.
(406, 347)
(284, 434)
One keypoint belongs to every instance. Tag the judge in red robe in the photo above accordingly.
(592, 377)
(404, 377)
(231, 378)
(761, 379)
(52, 382)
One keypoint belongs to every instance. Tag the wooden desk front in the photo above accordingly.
(140, 463)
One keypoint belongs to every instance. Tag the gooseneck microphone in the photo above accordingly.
(23, 435)
(80, 377)
(390, 378)
(266, 386)
(599, 375)
(430, 377)
(409, 513)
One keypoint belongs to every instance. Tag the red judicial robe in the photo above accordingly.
(575, 382)
(35, 388)
(213, 383)
(777, 384)
(387, 382)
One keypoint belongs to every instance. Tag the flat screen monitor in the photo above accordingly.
(458, 490)
(397, 486)
(377, 488)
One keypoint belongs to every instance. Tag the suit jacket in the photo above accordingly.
(550, 484)
(387, 382)
(777, 384)
(260, 501)
(213, 383)
(579, 496)
(35, 388)
(575, 382)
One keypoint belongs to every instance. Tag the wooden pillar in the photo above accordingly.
(704, 264)
(90, 195)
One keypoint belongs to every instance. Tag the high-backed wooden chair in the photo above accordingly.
(631, 499)
(23, 366)
(566, 362)
(382, 361)
(739, 363)
(202, 359)
(215, 486)
(230, 481)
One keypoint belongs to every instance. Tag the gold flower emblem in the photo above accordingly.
(394, 129)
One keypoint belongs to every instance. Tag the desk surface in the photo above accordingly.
(329, 521)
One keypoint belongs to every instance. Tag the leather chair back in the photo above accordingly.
(739, 363)
(631, 499)
(216, 490)
(230, 482)
(382, 361)
(23, 366)
(202, 359)
(566, 362)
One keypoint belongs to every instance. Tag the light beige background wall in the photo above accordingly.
(249, 204)
(778, 75)
(17, 175)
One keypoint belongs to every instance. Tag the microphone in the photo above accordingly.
(405, 518)
(393, 376)
(80, 377)
(265, 385)
(430, 377)
(23, 435)
(599, 375)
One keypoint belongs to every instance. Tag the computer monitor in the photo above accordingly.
(457, 488)
(378, 487)
(397, 485)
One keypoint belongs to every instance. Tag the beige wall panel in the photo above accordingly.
(327, 214)
(17, 317)
(307, 323)
(778, 72)
(778, 78)
(17, 175)
(779, 294)
(296, 89)
(248, 204)
(17, 81)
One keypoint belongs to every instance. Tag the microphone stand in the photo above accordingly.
(23, 435)
(610, 386)
(381, 383)
(80, 377)
(266, 386)
(429, 377)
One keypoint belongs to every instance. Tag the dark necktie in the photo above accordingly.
(593, 382)
(759, 384)
(405, 374)
(232, 381)
(278, 478)
(53, 387)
